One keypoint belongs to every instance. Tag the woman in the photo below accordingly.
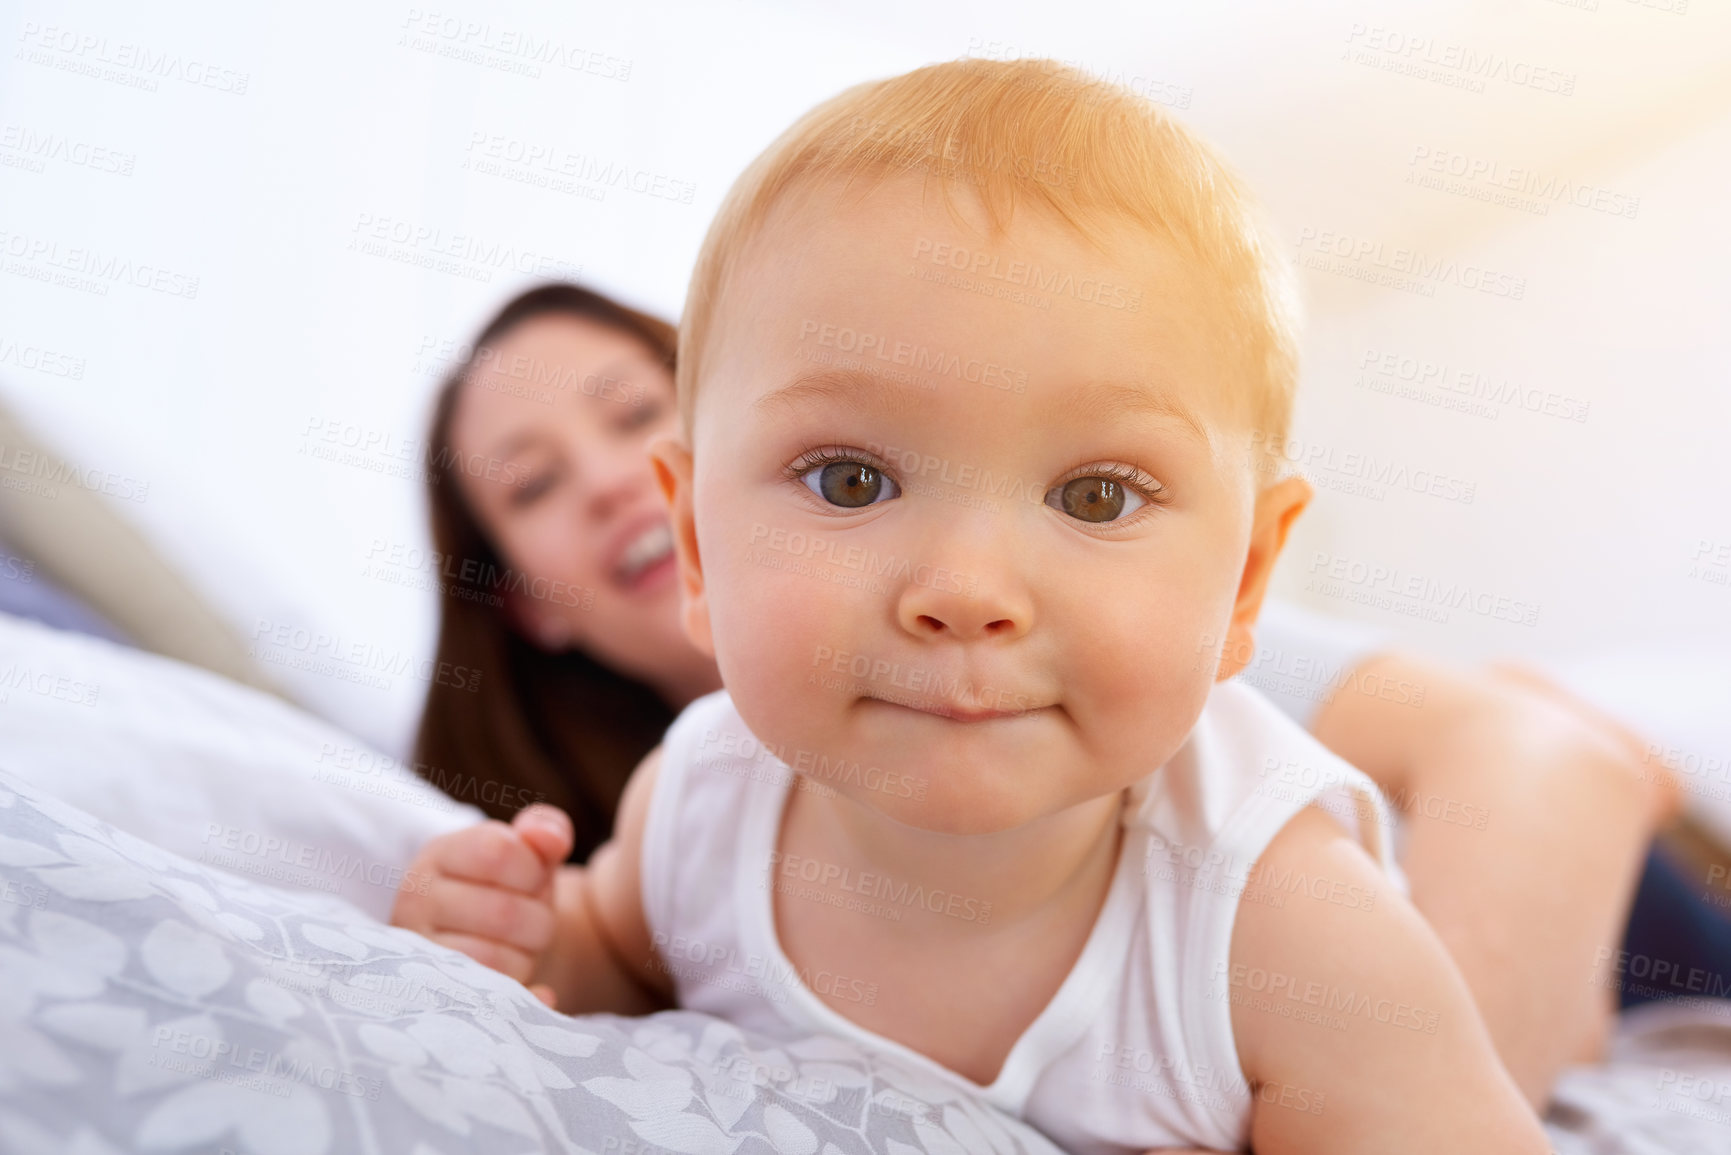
(558, 565)
(547, 489)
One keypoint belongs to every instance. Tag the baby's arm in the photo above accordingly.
(1370, 1013)
(578, 934)
(601, 957)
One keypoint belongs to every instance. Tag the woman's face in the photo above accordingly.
(560, 408)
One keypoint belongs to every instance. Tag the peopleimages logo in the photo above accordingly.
(51, 471)
(36, 148)
(272, 856)
(284, 643)
(540, 162)
(1414, 594)
(1365, 259)
(979, 263)
(507, 49)
(275, 1073)
(41, 360)
(90, 269)
(823, 552)
(1543, 189)
(894, 892)
(1355, 466)
(122, 61)
(915, 357)
(717, 963)
(1425, 57)
(460, 254)
(1329, 998)
(1390, 371)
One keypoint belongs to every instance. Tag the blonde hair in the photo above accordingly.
(1093, 153)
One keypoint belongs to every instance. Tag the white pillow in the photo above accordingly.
(212, 770)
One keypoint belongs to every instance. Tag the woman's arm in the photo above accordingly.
(1527, 819)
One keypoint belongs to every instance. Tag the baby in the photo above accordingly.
(978, 373)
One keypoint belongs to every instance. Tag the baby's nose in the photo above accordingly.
(950, 605)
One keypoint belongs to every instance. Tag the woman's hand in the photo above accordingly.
(491, 894)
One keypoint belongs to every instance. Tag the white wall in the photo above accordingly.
(345, 118)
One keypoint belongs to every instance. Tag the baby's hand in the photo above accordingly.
(491, 894)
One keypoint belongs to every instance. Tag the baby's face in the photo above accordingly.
(984, 543)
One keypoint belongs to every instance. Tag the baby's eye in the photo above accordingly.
(1095, 499)
(850, 484)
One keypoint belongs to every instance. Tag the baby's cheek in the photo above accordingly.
(788, 661)
(1148, 676)
(774, 626)
(1157, 710)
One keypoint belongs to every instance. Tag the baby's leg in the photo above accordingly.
(1528, 821)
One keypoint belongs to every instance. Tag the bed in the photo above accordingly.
(193, 878)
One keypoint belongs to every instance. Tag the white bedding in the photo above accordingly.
(151, 1003)
(209, 769)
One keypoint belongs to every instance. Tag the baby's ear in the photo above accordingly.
(1277, 507)
(672, 461)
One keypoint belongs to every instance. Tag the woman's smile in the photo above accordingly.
(645, 561)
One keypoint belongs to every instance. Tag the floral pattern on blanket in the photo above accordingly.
(152, 1003)
(149, 1003)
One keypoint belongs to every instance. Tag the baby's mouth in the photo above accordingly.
(955, 712)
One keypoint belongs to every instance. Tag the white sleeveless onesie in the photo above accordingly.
(1135, 1050)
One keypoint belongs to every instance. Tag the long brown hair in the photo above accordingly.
(534, 726)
